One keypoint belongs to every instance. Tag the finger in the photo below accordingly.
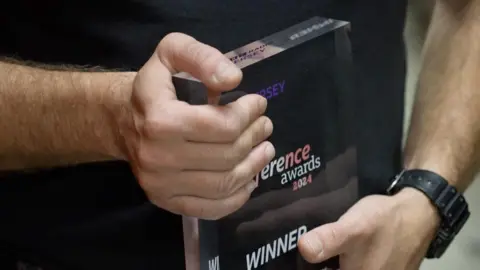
(218, 124)
(180, 52)
(210, 209)
(181, 155)
(220, 185)
(152, 86)
(326, 241)
(201, 123)
(224, 157)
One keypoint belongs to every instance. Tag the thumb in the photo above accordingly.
(325, 242)
(182, 53)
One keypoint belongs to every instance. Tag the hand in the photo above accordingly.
(377, 233)
(195, 160)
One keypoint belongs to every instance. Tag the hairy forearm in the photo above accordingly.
(55, 117)
(444, 134)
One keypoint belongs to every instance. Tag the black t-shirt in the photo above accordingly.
(95, 216)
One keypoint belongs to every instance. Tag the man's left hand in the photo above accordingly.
(377, 233)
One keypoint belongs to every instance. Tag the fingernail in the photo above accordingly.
(251, 186)
(314, 243)
(225, 71)
(268, 127)
(269, 151)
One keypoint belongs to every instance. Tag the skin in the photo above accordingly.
(393, 233)
(191, 160)
(127, 113)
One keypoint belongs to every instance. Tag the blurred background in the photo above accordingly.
(464, 254)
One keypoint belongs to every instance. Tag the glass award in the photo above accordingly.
(306, 74)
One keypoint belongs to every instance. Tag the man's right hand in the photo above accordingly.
(197, 160)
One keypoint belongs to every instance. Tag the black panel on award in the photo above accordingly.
(305, 73)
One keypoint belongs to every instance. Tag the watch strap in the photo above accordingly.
(451, 204)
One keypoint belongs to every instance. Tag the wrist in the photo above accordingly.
(457, 169)
(438, 164)
(117, 108)
(419, 213)
(429, 208)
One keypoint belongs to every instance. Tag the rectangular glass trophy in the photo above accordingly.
(306, 74)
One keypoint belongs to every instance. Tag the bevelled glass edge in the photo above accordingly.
(278, 42)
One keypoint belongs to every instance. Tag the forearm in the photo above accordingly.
(444, 134)
(51, 118)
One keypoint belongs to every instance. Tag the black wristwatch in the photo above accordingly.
(451, 205)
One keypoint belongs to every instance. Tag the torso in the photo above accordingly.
(95, 216)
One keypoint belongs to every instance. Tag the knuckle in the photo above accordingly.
(168, 159)
(241, 150)
(154, 127)
(368, 230)
(258, 132)
(199, 52)
(165, 46)
(237, 152)
(333, 235)
(247, 171)
(168, 47)
(173, 36)
(253, 134)
(232, 127)
(170, 39)
(225, 187)
(147, 159)
(231, 158)
(150, 128)
(362, 230)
